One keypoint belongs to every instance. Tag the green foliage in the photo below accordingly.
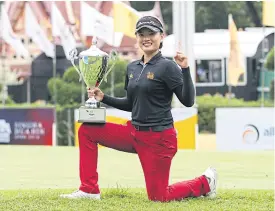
(119, 72)
(119, 90)
(206, 119)
(71, 75)
(269, 64)
(9, 100)
(214, 15)
(220, 101)
(66, 93)
(65, 123)
(207, 105)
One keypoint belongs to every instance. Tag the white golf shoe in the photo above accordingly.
(81, 195)
(212, 177)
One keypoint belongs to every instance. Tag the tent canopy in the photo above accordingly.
(216, 43)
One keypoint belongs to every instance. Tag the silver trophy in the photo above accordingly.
(93, 69)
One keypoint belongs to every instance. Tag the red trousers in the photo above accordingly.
(155, 150)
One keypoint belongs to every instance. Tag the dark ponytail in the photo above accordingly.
(161, 45)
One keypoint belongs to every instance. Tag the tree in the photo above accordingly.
(67, 93)
(71, 75)
(254, 14)
(210, 14)
(269, 64)
(119, 72)
(214, 15)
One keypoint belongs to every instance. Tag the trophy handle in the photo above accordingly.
(112, 57)
(73, 56)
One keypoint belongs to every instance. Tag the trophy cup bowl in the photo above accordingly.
(93, 69)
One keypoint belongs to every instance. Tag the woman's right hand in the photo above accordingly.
(95, 92)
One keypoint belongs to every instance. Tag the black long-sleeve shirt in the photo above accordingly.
(150, 88)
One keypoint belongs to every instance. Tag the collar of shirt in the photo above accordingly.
(153, 60)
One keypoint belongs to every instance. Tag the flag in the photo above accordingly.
(269, 13)
(60, 28)
(94, 23)
(125, 18)
(236, 60)
(8, 35)
(34, 30)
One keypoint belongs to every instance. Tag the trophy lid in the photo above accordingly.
(93, 51)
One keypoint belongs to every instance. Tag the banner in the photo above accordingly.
(94, 23)
(235, 64)
(26, 126)
(125, 18)
(7, 34)
(185, 120)
(268, 12)
(35, 31)
(61, 28)
(245, 129)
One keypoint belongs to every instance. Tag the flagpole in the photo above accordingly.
(229, 91)
(3, 72)
(54, 93)
(54, 75)
(29, 90)
(112, 83)
(3, 64)
(229, 81)
(262, 69)
(54, 60)
(112, 72)
(82, 92)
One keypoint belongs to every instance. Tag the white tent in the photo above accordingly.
(216, 43)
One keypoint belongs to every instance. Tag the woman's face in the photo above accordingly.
(148, 40)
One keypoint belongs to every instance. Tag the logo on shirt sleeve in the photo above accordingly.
(131, 76)
(150, 75)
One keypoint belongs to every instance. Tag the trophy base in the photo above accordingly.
(92, 115)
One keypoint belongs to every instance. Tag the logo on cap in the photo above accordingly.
(147, 23)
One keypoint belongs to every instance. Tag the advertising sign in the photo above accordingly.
(245, 128)
(26, 126)
(185, 120)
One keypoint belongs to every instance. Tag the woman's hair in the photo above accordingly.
(161, 45)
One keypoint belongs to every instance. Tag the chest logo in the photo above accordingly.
(131, 76)
(150, 75)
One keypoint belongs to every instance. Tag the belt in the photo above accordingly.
(158, 128)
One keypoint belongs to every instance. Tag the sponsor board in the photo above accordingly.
(245, 128)
(26, 126)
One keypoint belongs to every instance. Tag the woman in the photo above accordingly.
(150, 84)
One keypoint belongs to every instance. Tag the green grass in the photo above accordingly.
(32, 178)
(135, 199)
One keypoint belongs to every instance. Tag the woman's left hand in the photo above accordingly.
(181, 60)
